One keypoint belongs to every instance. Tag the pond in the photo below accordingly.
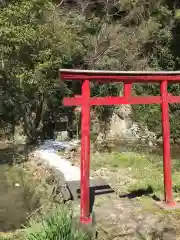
(17, 200)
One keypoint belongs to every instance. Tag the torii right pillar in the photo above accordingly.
(166, 146)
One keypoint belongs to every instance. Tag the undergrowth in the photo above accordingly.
(58, 225)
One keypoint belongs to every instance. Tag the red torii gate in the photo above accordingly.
(86, 101)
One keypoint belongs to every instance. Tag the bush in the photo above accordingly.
(56, 226)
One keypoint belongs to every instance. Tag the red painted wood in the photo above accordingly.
(123, 100)
(120, 100)
(74, 101)
(127, 90)
(166, 144)
(130, 78)
(85, 102)
(85, 153)
(173, 99)
(113, 100)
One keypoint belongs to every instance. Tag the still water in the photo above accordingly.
(16, 201)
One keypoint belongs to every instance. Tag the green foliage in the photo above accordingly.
(34, 43)
(57, 226)
(38, 37)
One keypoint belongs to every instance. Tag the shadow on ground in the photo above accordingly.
(133, 194)
(138, 193)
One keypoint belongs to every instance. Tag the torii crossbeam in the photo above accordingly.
(86, 101)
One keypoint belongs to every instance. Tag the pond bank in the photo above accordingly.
(24, 193)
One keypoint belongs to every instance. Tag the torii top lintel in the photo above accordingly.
(119, 76)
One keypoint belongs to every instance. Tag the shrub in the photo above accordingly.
(56, 226)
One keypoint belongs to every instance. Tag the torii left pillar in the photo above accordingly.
(85, 217)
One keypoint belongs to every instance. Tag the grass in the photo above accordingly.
(56, 226)
(145, 169)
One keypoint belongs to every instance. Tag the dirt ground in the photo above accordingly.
(124, 219)
(131, 215)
